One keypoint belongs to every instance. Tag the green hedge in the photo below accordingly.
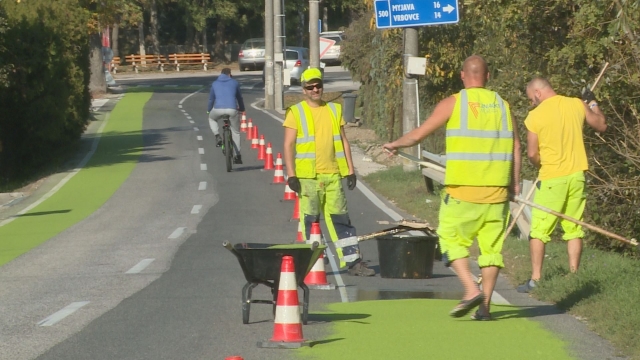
(44, 93)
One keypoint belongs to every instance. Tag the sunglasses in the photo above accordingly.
(311, 87)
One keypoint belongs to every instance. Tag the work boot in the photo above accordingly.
(218, 140)
(361, 269)
(237, 159)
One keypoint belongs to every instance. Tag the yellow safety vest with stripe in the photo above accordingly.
(479, 140)
(305, 140)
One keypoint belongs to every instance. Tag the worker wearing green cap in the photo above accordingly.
(317, 156)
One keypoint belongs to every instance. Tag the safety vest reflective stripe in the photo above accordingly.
(350, 241)
(305, 126)
(485, 134)
(480, 157)
(350, 258)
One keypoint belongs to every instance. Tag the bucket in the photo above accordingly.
(406, 256)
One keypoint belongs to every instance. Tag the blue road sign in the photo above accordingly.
(412, 13)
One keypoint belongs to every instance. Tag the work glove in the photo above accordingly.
(588, 95)
(351, 181)
(294, 184)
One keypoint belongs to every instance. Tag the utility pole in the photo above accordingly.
(314, 34)
(409, 93)
(279, 53)
(268, 55)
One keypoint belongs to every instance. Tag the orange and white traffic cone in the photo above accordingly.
(278, 175)
(234, 358)
(301, 237)
(315, 234)
(249, 129)
(296, 210)
(287, 327)
(317, 277)
(254, 138)
(261, 149)
(243, 123)
(268, 160)
(289, 194)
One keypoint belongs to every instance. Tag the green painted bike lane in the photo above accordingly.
(116, 155)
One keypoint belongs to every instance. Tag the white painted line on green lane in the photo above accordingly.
(196, 209)
(63, 313)
(140, 266)
(202, 185)
(177, 233)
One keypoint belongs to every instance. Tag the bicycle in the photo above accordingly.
(227, 142)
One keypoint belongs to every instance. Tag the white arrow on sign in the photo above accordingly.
(448, 9)
(325, 44)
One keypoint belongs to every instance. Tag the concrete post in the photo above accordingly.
(268, 55)
(314, 38)
(279, 52)
(409, 94)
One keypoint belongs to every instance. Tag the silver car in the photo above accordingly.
(251, 55)
(297, 61)
(332, 56)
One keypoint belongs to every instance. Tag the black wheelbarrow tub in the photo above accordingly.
(261, 264)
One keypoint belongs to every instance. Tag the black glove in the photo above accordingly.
(588, 96)
(294, 184)
(351, 181)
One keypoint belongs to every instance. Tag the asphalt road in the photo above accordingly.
(185, 304)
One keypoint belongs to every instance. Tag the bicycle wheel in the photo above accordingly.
(228, 145)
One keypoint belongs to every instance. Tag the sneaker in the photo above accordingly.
(218, 141)
(237, 159)
(527, 287)
(361, 269)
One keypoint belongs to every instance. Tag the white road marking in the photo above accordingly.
(202, 185)
(188, 117)
(139, 266)
(179, 106)
(62, 313)
(196, 209)
(98, 103)
(200, 151)
(177, 233)
(195, 129)
(192, 122)
(183, 110)
(188, 96)
(203, 167)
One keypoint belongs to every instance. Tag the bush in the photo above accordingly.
(44, 95)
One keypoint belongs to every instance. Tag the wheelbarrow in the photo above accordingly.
(261, 264)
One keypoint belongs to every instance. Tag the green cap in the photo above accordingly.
(311, 74)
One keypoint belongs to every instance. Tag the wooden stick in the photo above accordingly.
(579, 222)
(417, 160)
(606, 65)
(520, 209)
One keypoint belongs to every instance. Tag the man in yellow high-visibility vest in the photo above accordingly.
(483, 167)
(317, 156)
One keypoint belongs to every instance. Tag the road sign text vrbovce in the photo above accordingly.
(412, 13)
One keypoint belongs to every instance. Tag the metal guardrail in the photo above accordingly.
(430, 175)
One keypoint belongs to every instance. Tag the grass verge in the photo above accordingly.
(604, 294)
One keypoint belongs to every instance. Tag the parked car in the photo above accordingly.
(332, 56)
(297, 61)
(251, 55)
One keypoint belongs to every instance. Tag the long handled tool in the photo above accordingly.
(417, 160)
(606, 65)
(633, 242)
(520, 210)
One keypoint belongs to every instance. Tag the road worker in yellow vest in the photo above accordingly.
(483, 166)
(317, 157)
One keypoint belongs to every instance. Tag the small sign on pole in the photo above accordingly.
(325, 44)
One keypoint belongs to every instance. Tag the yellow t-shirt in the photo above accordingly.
(479, 194)
(325, 152)
(558, 123)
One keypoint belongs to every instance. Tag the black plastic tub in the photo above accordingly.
(406, 256)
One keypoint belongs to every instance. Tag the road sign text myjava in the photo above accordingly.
(409, 13)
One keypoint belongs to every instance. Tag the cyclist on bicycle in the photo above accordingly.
(225, 99)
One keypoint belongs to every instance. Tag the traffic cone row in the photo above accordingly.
(268, 160)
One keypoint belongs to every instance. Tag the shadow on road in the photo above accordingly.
(327, 318)
(524, 312)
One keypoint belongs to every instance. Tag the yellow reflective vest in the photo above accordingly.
(479, 140)
(305, 140)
